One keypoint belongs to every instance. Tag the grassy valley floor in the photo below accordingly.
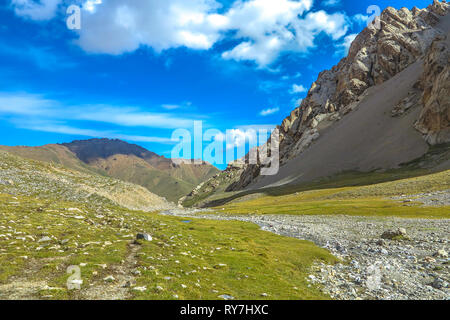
(380, 199)
(196, 259)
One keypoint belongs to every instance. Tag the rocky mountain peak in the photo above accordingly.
(392, 43)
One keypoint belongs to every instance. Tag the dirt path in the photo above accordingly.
(118, 287)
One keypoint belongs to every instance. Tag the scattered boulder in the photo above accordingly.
(144, 236)
(399, 233)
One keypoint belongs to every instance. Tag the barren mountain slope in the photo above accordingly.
(125, 161)
(19, 176)
(379, 107)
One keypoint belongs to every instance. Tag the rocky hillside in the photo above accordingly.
(23, 177)
(128, 162)
(376, 109)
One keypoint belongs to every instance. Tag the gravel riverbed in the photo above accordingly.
(416, 266)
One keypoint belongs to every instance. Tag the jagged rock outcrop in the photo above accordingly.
(394, 41)
(434, 121)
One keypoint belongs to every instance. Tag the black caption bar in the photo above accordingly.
(198, 310)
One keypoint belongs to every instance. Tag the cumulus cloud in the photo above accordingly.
(276, 27)
(238, 138)
(298, 88)
(269, 111)
(116, 26)
(36, 10)
(258, 31)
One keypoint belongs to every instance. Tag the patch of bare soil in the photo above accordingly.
(117, 285)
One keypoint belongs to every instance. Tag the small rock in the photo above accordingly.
(439, 284)
(429, 260)
(391, 234)
(144, 236)
(226, 297)
(141, 289)
(45, 239)
(109, 278)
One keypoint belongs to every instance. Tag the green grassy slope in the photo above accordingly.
(364, 200)
(195, 259)
(435, 160)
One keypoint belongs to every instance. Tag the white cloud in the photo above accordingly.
(117, 26)
(298, 88)
(334, 25)
(90, 5)
(238, 138)
(36, 10)
(28, 105)
(269, 111)
(263, 29)
(276, 27)
(64, 129)
(360, 19)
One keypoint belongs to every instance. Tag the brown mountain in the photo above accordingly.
(128, 162)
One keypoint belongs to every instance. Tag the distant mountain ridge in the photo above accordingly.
(125, 161)
(88, 150)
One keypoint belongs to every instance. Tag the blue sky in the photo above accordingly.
(139, 69)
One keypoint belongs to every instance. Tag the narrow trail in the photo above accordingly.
(117, 288)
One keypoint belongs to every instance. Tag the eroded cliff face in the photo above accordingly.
(382, 50)
(434, 121)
